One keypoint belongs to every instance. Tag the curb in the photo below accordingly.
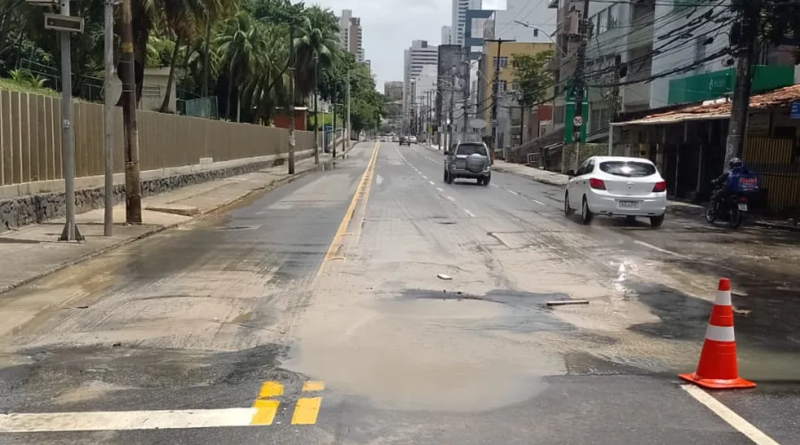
(770, 225)
(158, 229)
(532, 178)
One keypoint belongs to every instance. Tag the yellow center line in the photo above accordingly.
(361, 194)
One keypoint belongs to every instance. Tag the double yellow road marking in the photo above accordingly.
(360, 196)
(306, 409)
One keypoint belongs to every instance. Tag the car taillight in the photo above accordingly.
(660, 186)
(597, 184)
(743, 199)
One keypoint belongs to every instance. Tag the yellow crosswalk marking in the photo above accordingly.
(306, 411)
(266, 407)
(313, 385)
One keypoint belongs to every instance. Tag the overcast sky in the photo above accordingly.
(389, 26)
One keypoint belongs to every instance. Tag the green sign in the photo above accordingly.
(708, 86)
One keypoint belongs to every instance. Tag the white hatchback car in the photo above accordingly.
(617, 186)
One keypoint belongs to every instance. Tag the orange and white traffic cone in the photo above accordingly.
(717, 368)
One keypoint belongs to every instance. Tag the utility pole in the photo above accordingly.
(745, 55)
(133, 187)
(615, 105)
(495, 88)
(585, 29)
(291, 98)
(450, 117)
(316, 109)
(333, 132)
(346, 141)
(108, 119)
(70, 232)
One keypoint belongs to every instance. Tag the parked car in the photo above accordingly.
(467, 160)
(412, 140)
(617, 186)
(405, 140)
(395, 139)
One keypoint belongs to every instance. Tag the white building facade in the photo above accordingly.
(419, 55)
(447, 35)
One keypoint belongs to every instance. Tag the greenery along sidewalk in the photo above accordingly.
(243, 46)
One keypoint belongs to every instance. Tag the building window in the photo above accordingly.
(502, 86)
(503, 62)
(558, 115)
(602, 22)
(613, 16)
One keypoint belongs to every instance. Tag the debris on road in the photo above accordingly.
(444, 276)
(566, 302)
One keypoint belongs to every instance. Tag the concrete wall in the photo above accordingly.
(30, 141)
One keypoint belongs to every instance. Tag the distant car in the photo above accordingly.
(412, 140)
(395, 139)
(467, 160)
(617, 186)
(405, 140)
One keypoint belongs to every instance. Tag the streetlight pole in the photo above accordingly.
(108, 118)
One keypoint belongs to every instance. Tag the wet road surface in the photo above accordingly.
(200, 320)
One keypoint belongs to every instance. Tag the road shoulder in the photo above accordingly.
(34, 252)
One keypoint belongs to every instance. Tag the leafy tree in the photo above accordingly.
(532, 77)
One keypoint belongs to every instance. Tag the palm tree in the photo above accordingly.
(267, 85)
(316, 49)
(241, 45)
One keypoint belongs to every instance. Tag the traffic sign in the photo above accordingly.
(578, 121)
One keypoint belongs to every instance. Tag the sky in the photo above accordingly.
(389, 26)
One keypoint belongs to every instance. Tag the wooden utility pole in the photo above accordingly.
(133, 188)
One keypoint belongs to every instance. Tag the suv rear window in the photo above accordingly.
(469, 149)
(628, 169)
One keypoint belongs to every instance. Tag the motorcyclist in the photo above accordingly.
(735, 167)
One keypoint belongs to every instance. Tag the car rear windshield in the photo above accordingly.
(628, 169)
(469, 149)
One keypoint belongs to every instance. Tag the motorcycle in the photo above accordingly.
(731, 209)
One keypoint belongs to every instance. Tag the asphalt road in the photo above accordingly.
(391, 308)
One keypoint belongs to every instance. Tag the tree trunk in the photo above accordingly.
(133, 188)
(230, 93)
(171, 78)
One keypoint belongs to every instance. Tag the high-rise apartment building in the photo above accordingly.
(350, 34)
(417, 56)
(459, 23)
(447, 35)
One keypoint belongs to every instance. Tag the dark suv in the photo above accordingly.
(467, 160)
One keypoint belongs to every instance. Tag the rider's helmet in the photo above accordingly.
(735, 162)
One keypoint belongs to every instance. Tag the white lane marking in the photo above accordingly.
(432, 183)
(513, 192)
(726, 414)
(538, 202)
(470, 214)
(440, 189)
(451, 198)
(658, 249)
(424, 177)
(125, 420)
(495, 186)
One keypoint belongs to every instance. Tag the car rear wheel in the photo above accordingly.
(586, 213)
(657, 221)
(569, 211)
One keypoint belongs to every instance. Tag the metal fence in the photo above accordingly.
(30, 139)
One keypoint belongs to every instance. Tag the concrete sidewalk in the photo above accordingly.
(33, 251)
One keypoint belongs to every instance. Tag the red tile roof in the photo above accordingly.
(779, 98)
